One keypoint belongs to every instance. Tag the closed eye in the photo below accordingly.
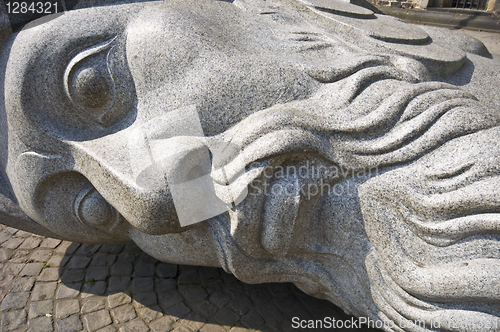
(88, 82)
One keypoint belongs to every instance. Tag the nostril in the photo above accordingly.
(92, 209)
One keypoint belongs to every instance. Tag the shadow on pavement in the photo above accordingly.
(127, 282)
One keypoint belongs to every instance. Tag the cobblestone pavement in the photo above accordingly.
(52, 285)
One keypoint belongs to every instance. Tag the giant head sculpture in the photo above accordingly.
(312, 142)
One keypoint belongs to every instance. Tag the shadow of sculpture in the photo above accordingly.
(114, 276)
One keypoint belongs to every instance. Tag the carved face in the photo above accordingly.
(287, 110)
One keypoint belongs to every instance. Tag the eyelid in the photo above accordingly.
(83, 55)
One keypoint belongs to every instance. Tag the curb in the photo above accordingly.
(449, 19)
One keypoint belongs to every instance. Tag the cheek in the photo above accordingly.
(72, 207)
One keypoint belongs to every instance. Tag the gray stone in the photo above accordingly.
(40, 308)
(118, 299)
(65, 291)
(40, 324)
(70, 324)
(96, 320)
(49, 274)
(306, 141)
(97, 273)
(162, 324)
(121, 268)
(31, 269)
(43, 291)
(14, 301)
(142, 284)
(123, 314)
(118, 284)
(66, 308)
(136, 325)
(22, 285)
(92, 305)
(13, 319)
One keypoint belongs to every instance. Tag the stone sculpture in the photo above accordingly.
(312, 142)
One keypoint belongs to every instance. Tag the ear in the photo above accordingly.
(11, 215)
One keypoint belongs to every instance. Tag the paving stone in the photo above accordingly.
(169, 299)
(5, 254)
(70, 324)
(67, 248)
(145, 299)
(40, 308)
(88, 249)
(193, 293)
(214, 285)
(78, 262)
(219, 299)
(163, 324)
(209, 272)
(241, 305)
(68, 290)
(111, 248)
(206, 308)
(118, 284)
(108, 328)
(22, 284)
(13, 243)
(122, 268)
(123, 314)
(192, 321)
(149, 314)
(43, 291)
(12, 268)
(118, 299)
(179, 310)
(67, 308)
(226, 316)
(4, 236)
(58, 260)
(181, 328)
(164, 270)
(40, 324)
(31, 269)
(30, 243)
(49, 274)
(143, 284)
(188, 277)
(136, 325)
(13, 319)
(50, 243)
(93, 305)
(22, 233)
(144, 270)
(14, 301)
(102, 259)
(235, 290)
(228, 278)
(212, 328)
(71, 276)
(145, 258)
(21, 256)
(97, 273)
(12, 230)
(41, 255)
(96, 320)
(163, 285)
(259, 295)
(93, 288)
(252, 319)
